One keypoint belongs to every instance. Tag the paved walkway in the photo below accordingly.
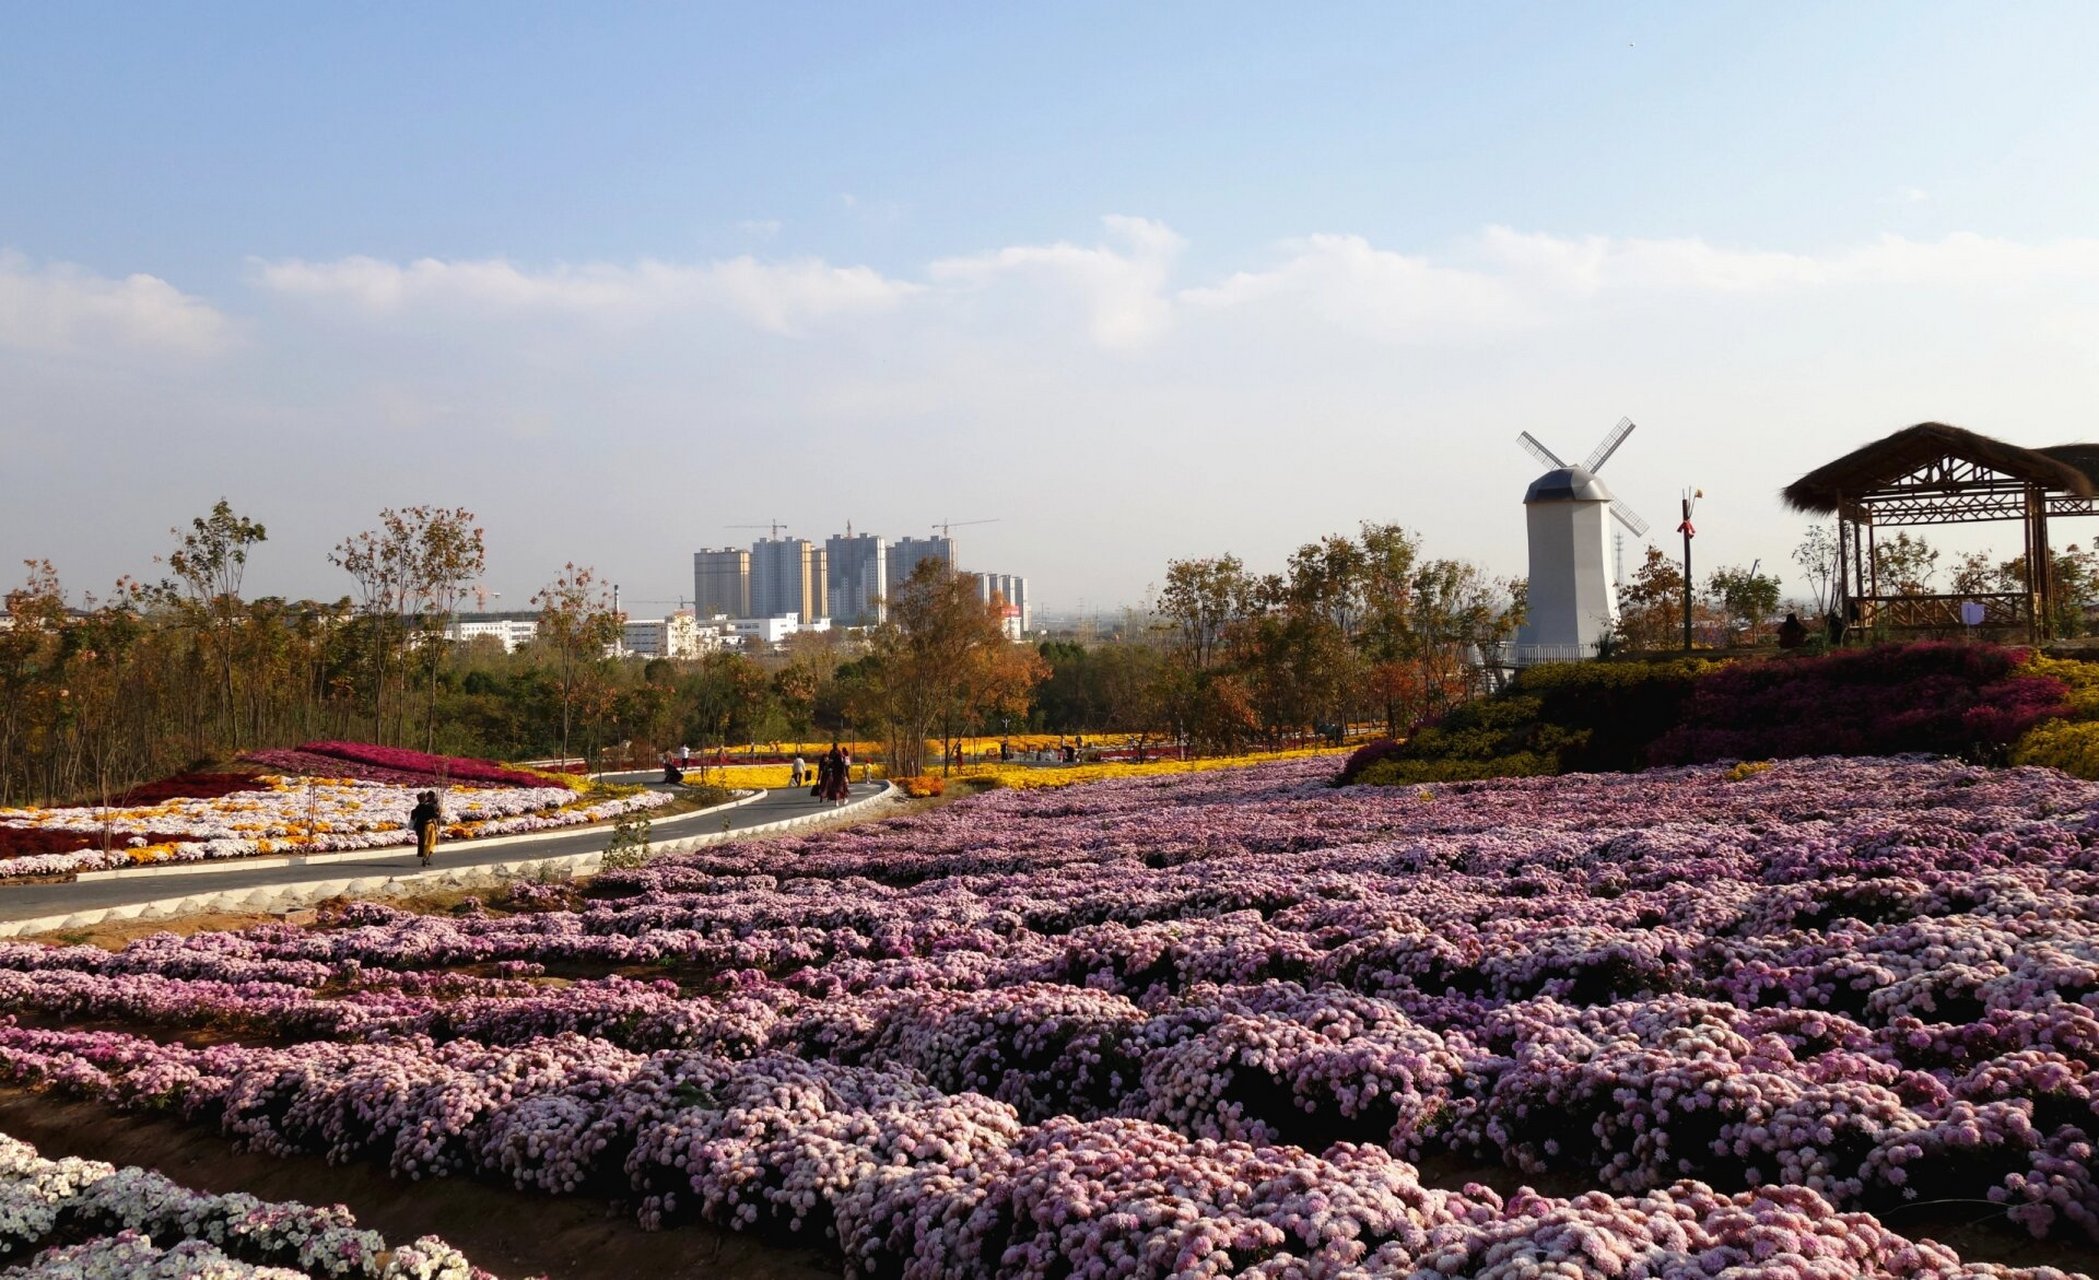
(124, 892)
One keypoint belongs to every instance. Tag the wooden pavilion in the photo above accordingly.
(1935, 474)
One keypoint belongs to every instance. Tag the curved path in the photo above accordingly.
(276, 883)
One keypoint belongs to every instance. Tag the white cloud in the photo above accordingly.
(1500, 281)
(1121, 286)
(1346, 282)
(59, 307)
(778, 296)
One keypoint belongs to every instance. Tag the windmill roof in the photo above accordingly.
(1567, 484)
(2063, 468)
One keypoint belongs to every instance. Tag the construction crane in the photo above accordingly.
(946, 525)
(775, 526)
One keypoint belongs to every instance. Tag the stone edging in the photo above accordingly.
(285, 897)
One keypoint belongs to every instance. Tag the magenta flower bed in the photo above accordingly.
(422, 765)
(1202, 1025)
(307, 764)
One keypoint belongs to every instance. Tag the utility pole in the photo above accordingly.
(619, 634)
(1690, 503)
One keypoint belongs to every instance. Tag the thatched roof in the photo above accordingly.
(2084, 457)
(2067, 468)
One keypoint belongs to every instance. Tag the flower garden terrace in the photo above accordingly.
(1778, 1019)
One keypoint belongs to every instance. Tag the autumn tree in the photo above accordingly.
(1650, 607)
(1904, 565)
(576, 622)
(1202, 603)
(30, 663)
(940, 663)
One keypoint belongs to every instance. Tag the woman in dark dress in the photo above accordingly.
(832, 775)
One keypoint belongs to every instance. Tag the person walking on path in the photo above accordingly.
(424, 820)
(797, 772)
(832, 776)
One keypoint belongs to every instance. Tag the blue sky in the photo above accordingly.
(1144, 281)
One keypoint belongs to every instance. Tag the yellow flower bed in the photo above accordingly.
(771, 776)
(1012, 775)
(2069, 745)
(2081, 678)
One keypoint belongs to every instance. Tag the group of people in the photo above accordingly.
(833, 776)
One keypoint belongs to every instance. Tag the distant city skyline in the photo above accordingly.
(1148, 284)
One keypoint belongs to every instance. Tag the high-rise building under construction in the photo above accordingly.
(857, 574)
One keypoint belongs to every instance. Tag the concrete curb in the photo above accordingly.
(351, 855)
(284, 897)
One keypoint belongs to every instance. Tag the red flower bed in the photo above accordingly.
(429, 768)
(188, 786)
(21, 842)
(306, 764)
(1950, 699)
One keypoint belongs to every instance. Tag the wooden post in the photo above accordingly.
(1873, 565)
(1841, 602)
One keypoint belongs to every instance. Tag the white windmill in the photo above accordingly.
(1572, 605)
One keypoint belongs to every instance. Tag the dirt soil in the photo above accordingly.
(111, 935)
(512, 1233)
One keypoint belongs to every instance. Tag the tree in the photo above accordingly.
(383, 563)
(31, 669)
(1460, 615)
(208, 564)
(1745, 597)
(1817, 557)
(1650, 607)
(448, 556)
(1904, 565)
(576, 622)
(1202, 602)
(941, 662)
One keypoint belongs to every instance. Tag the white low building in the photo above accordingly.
(509, 632)
(678, 636)
(764, 633)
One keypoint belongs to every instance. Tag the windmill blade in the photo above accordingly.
(1603, 452)
(1629, 518)
(1539, 451)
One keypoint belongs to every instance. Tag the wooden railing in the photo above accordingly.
(1943, 613)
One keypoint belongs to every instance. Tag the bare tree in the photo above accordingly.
(208, 564)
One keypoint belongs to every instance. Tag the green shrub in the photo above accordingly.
(1554, 718)
(629, 849)
(1396, 773)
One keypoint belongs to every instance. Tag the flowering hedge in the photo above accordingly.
(1202, 1025)
(1970, 700)
(1936, 696)
(433, 768)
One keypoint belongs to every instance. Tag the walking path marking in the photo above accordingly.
(278, 884)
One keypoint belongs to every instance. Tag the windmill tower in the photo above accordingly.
(1569, 511)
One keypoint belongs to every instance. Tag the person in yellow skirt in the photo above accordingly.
(425, 820)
